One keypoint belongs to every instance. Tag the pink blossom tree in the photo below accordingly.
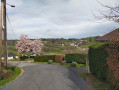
(37, 46)
(25, 45)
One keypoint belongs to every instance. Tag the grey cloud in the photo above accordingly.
(55, 18)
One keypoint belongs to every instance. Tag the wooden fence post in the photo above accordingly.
(87, 66)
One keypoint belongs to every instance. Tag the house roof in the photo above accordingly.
(11, 55)
(109, 36)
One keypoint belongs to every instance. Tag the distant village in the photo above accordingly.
(61, 45)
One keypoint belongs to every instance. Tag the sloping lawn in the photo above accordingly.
(12, 73)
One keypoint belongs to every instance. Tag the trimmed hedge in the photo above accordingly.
(76, 57)
(44, 58)
(97, 60)
(24, 58)
(104, 62)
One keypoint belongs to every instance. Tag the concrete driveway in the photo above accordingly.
(47, 77)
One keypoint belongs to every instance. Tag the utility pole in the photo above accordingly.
(1, 15)
(5, 33)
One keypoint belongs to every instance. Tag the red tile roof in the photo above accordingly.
(109, 36)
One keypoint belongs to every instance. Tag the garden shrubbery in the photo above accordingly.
(76, 57)
(23, 58)
(7, 72)
(69, 58)
(104, 62)
(44, 58)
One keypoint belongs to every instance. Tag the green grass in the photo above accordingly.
(92, 39)
(28, 59)
(81, 65)
(56, 63)
(11, 47)
(87, 45)
(66, 64)
(64, 47)
(13, 51)
(13, 60)
(16, 73)
(84, 75)
(55, 52)
(42, 62)
(78, 65)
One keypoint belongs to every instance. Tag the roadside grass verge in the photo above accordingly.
(14, 60)
(84, 75)
(66, 64)
(15, 73)
(96, 83)
(28, 59)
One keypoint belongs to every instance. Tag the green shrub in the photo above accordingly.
(44, 58)
(31, 56)
(76, 57)
(23, 58)
(12, 68)
(97, 60)
(1, 76)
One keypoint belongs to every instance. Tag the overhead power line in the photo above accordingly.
(10, 25)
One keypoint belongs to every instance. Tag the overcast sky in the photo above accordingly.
(57, 18)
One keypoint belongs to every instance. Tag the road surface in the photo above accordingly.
(47, 77)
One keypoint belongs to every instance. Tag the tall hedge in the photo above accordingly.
(113, 62)
(97, 60)
(77, 57)
(104, 62)
(44, 58)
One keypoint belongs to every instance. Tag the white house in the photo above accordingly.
(12, 56)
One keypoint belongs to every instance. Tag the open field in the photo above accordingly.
(59, 46)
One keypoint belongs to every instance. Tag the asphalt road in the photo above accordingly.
(47, 77)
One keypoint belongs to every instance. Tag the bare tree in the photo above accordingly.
(111, 14)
